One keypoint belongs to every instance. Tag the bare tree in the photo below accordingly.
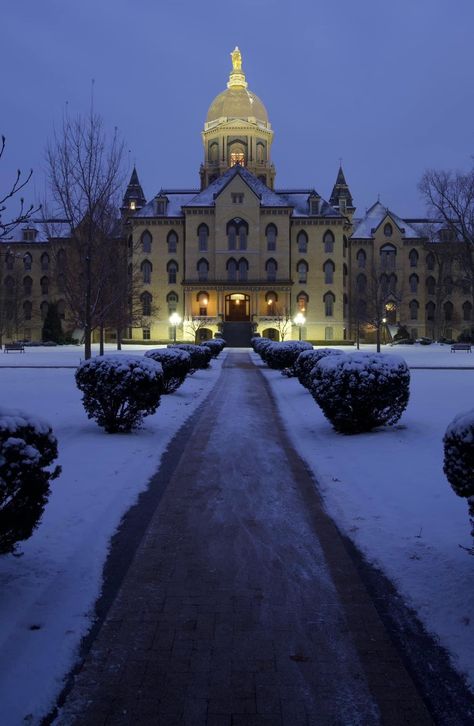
(85, 175)
(450, 199)
(373, 292)
(24, 213)
(192, 324)
(282, 322)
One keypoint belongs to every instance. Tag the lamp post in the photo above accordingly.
(299, 320)
(174, 320)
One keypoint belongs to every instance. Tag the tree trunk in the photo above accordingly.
(470, 501)
(101, 339)
(378, 337)
(119, 339)
(87, 312)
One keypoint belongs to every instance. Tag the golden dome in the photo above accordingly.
(236, 101)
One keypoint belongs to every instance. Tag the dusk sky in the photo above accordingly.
(388, 86)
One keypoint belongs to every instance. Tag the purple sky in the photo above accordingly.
(388, 86)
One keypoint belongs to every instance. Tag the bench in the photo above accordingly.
(14, 348)
(461, 346)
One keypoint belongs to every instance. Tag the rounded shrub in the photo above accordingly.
(175, 363)
(306, 361)
(200, 356)
(261, 346)
(282, 356)
(216, 345)
(27, 452)
(459, 458)
(120, 390)
(360, 391)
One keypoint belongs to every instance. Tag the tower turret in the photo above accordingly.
(341, 197)
(133, 199)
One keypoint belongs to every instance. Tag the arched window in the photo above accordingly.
(203, 269)
(430, 261)
(414, 279)
(232, 236)
(302, 270)
(146, 267)
(172, 242)
(344, 245)
(467, 311)
(203, 235)
(361, 259)
(44, 282)
(388, 254)
(362, 309)
(214, 152)
(345, 303)
(9, 261)
(414, 305)
(384, 284)
(448, 308)
(328, 268)
(329, 299)
(242, 237)
(172, 269)
(302, 241)
(44, 262)
(302, 300)
(61, 283)
(243, 269)
(430, 285)
(328, 240)
(413, 257)
(61, 259)
(271, 267)
(344, 275)
(392, 283)
(260, 152)
(146, 300)
(361, 283)
(27, 309)
(271, 235)
(27, 261)
(61, 308)
(27, 286)
(172, 300)
(271, 298)
(430, 312)
(146, 241)
(44, 309)
(388, 230)
(448, 285)
(231, 269)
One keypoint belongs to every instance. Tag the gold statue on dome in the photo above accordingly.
(236, 59)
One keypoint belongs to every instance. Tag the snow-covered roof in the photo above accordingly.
(177, 199)
(366, 227)
(267, 197)
(298, 199)
(44, 229)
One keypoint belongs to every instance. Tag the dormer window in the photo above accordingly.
(133, 205)
(388, 230)
(342, 205)
(29, 235)
(161, 206)
(314, 206)
(237, 198)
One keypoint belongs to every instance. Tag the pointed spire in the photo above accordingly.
(133, 199)
(341, 191)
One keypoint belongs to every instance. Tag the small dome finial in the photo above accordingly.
(237, 76)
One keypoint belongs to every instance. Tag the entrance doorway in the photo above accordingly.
(237, 307)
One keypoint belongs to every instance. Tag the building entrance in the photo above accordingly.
(237, 307)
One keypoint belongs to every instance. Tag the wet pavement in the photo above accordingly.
(242, 605)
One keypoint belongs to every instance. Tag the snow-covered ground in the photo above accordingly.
(387, 491)
(48, 594)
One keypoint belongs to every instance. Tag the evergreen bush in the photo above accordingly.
(27, 451)
(200, 355)
(360, 391)
(282, 356)
(459, 458)
(118, 391)
(306, 361)
(175, 363)
(215, 345)
(52, 329)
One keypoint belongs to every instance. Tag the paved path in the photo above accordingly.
(242, 606)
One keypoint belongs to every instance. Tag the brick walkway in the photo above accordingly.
(242, 606)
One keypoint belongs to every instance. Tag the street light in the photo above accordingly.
(174, 320)
(299, 320)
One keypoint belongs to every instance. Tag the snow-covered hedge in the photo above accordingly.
(216, 345)
(282, 356)
(118, 391)
(260, 346)
(459, 458)
(200, 355)
(360, 391)
(27, 451)
(175, 363)
(306, 361)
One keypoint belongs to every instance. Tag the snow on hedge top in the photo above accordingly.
(462, 427)
(168, 353)
(134, 364)
(359, 362)
(12, 419)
